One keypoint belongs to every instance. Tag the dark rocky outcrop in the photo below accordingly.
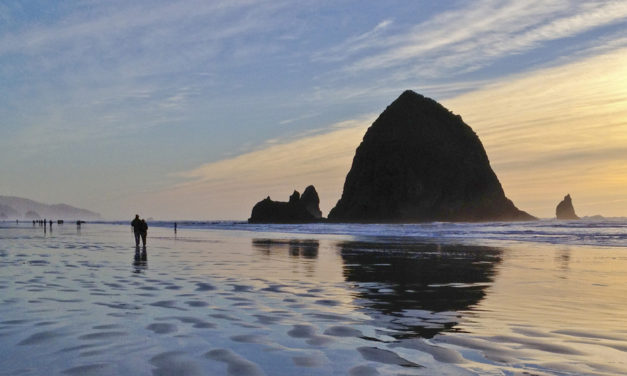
(419, 162)
(298, 209)
(565, 209)
(311, 201)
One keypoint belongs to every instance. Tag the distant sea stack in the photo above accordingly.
(298, 209)
(565, 209)
(419, 162)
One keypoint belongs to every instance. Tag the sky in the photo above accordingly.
(199, 109)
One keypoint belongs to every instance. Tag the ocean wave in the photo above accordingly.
(594, 232)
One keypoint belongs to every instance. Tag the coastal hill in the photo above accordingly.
(17, 207)
(419, 162)
(8, 212)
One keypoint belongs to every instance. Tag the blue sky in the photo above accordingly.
(167, 108)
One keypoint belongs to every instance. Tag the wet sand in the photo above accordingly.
(248, 303)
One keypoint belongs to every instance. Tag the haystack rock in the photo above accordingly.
(298, 209)
(419, 162)
(565, 209)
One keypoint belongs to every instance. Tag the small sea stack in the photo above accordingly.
(565, 209)
(299, 209)
(419, 162)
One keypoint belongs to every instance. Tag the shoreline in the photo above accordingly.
(602, 233)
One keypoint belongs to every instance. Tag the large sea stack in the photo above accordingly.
(419, 162)
(298, 209)
(565, 209)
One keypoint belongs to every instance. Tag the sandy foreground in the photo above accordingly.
(206, 302)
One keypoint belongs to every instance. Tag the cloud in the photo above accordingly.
(355, 44)
(479, 33)
(118, 67)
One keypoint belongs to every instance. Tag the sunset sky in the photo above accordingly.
(199, 109)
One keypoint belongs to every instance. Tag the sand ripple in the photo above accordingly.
(236, 365)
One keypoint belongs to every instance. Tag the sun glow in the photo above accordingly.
(556, 131)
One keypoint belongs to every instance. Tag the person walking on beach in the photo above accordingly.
(144, 231)
(137, 228)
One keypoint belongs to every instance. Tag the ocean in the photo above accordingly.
(228, 298)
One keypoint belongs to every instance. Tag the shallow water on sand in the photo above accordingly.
(248, 303)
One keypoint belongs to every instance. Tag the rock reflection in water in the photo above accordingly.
(306, 248)
(415, 289)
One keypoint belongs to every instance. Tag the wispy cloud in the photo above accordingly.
(469, 37)
(355, 44)
(120, 67)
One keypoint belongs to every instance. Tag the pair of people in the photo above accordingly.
(140, 230)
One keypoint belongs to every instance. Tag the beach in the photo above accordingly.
(238, 300)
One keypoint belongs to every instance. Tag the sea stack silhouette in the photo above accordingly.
(419, 162)
(565, 209)
(298, 209)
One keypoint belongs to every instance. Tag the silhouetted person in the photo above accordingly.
(175, 227)
(137, 228)
(50, 223)
(144, 231)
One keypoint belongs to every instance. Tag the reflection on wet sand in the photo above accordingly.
(302, 253)
(306, 248)
(140, 260)
(420, 285)
(410, 289)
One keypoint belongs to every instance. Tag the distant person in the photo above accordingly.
(144, 231)
(175, 227)
(137, 228)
